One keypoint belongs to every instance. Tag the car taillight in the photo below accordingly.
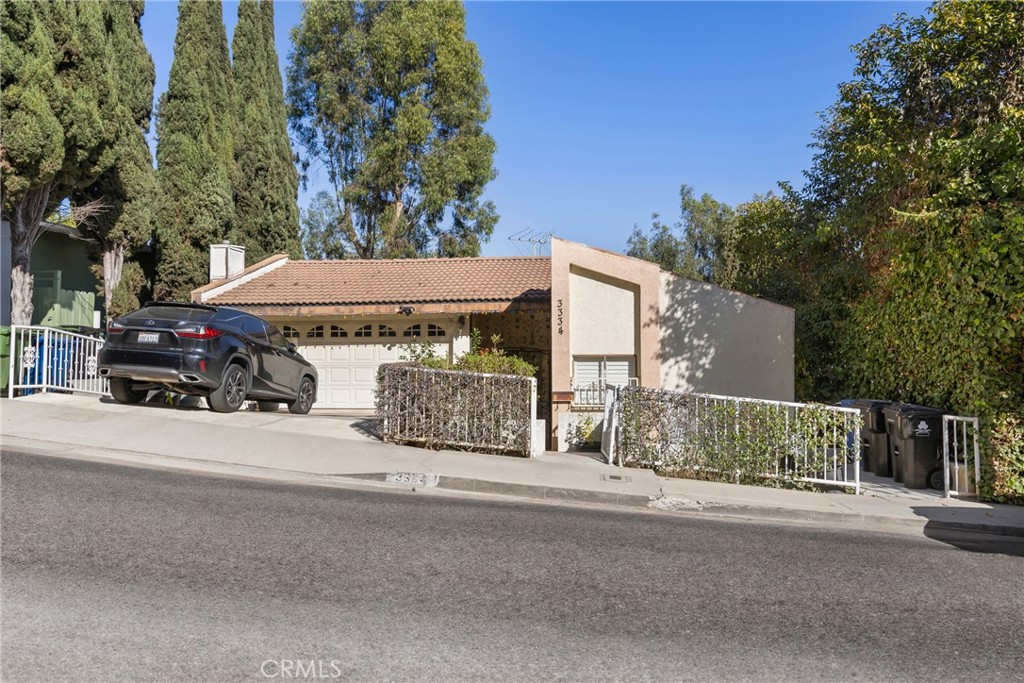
(114, 327)
(198, 332)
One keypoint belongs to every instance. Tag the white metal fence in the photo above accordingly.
(961, 455)
(735, 439)
(591, 393)
(456, 409)
(46, 359)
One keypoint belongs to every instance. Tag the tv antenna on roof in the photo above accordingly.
(537, 239)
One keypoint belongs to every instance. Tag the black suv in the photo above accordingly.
(221, 353)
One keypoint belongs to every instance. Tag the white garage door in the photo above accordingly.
(348, 372)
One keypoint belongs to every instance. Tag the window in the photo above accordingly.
(365, 331)
(337, 331)
(386, 331)
(413, 331)
(435, 331)
(254, 328)
(316, 332)
(276, 338)
(290, 332)
(592, 374)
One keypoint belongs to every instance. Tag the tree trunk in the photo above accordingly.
(26, 216)
(113, 268)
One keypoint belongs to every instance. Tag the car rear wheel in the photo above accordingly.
(304, 399)
(230, 395)
(124, 391)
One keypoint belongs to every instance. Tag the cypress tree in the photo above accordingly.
(266, 184)
(126, 189)
(59, 118)
(195, 151)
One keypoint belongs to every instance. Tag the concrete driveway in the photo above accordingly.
(329, 423)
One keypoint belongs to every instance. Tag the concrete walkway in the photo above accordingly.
(328, 448)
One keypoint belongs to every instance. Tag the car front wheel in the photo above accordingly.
(230, 395)
(304, 399)
(124, 391)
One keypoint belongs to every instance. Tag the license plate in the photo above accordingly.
(149, 337)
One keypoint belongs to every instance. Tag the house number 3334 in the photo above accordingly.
(560, 317)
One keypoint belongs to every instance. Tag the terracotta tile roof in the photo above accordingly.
(398, 281)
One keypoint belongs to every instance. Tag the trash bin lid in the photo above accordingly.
(911, 410)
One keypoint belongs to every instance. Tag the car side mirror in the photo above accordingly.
(292, 347)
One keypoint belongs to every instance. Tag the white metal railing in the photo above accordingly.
(458, 409)
(46, 359)
(961, 455)
(773, 439)
(591, 393)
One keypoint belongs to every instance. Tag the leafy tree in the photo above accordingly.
(59, 121)
(320, 236)
(126, 189)
(195, 151)
(266, 184)
(918, 176)
(390, 99)
(698, 246)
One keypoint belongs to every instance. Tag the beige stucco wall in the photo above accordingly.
(721, 342)
(603, 315)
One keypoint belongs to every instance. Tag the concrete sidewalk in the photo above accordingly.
(330, 449)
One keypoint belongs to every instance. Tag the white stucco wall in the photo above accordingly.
(602, 316)
(717, 341)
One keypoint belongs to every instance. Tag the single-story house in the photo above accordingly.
(64, 289)
(585, 317)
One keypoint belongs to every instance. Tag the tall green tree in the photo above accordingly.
(127, 188)
(699, 245)
(266, 184)
(389, 98)
(919, 177)
(195, 151)
(59, 121)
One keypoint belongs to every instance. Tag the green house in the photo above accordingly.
(64, 291)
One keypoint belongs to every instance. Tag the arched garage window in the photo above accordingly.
(365, 331)
(338, 331)
(289, 332)
(386, 331)
(435, 331)
(316, 332)
(413, 331)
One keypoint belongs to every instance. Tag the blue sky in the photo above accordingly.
(601, 110)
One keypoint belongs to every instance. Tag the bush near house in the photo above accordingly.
(487, 359)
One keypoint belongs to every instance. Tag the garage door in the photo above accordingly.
(348, 372)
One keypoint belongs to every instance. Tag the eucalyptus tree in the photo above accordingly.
(389, 99)
(59, 121)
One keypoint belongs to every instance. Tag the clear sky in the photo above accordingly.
(602, 110)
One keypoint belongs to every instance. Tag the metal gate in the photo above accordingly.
(46, 359)
(961, 455)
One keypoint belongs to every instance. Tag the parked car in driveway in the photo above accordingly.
(226, 355)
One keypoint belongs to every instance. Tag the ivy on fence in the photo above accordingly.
(454, 409)
(702, 437)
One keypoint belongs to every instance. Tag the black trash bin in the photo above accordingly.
(915, 444)
(874, 438)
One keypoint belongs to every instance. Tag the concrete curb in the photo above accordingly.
(481, 488)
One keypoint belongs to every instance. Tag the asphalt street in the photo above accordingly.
(113, 573)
